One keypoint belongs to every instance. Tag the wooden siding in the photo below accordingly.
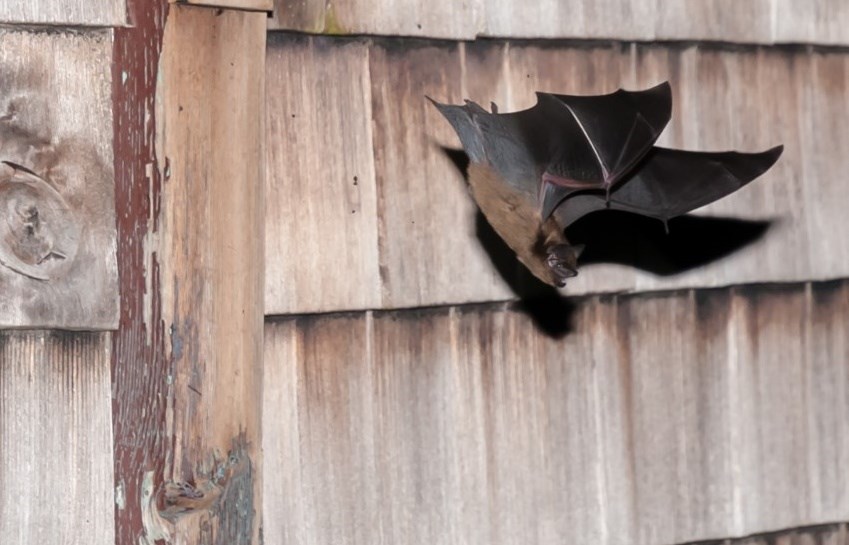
(56, 120)
(56, 481)
(247, 5)
(753, 21)
(64, 12)
(323, 253)
(470, 425)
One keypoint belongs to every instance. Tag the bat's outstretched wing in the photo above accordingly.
(668, 183)
(572, 142)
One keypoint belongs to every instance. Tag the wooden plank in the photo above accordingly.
(65, 12)
(210, 246)
(756, 21)
(56, 482)
(321, 197)
(247, 5)
(570, 19)
(142, 371)
(427, 225)
(390, 17)
(817, 21)
(667, 418)
(58, 270)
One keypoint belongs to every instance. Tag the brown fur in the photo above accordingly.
(517, 220)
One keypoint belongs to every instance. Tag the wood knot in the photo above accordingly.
(39, 234)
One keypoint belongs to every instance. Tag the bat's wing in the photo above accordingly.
(669, 183)
(572, 142)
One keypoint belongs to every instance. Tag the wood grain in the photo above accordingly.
(141, 370)
(56, 482)
(56, 120)
(432, 250)
(65, 12)
(247, 5)
(754, 21)
(210, 246)
(471, 425)
(391, 17)
(321, 226)
(427, 223)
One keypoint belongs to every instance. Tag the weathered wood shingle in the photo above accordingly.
(752, 21)
(429, 250)
(55, 439)
(56, 120)
(664, 418)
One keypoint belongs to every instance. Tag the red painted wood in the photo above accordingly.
(140, 368)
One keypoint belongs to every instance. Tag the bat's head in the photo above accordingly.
(562, 262)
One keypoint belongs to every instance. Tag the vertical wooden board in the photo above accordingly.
(59, 269)
(431, 466)
(820, 161)
(429, 253)
(768, 328)
(714, 20)
(321, 390)
(56, 481)
(680, 419)
(283, 502)
(65, 12)
(142, 374)
(827, 338)
(321, 212)
(211, 247)
(815, 21)
(435, 19)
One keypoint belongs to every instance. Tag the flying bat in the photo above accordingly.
(535, 172)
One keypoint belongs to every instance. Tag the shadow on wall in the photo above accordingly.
(613, 236)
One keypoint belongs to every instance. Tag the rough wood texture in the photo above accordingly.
(55, 439)
(65, 12)
(247, 5)
(429, 251)
(141, 371)
(753, 21)
(321, 225)
(210, 247)
(391, 17)
(468, 425)
(57, 245)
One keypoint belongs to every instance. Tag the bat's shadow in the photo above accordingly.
(615, 237)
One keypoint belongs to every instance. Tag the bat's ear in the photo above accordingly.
(578, 249)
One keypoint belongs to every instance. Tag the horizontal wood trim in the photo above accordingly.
(246, 5)
(823, 22)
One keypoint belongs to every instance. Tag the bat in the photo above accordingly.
(535, 172)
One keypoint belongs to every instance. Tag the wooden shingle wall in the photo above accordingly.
(753, 21)
(56, 481)
(366, 210)
(664, 418)
(64, 12)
